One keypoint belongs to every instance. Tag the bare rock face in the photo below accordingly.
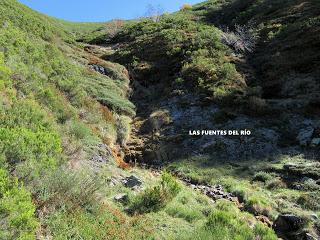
(290, 226)
(288, 223)
(315, 142)
(156, 120)
(305, 135)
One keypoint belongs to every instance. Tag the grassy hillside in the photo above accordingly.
(287, 51)
(70, 109)
(191, 54)
(50, 117)
(256, 63)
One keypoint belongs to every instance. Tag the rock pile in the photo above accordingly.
(100, 69)
(215, 192)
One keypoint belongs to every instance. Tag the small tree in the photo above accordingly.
(242, 39)
(154, 12)
(186, 7)
(114, 27)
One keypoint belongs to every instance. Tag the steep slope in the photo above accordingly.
(52, 122)
(286, 58)
(70, 94)
(64, 120)
(211, 68)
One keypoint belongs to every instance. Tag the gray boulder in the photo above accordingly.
(288, 224)
(305, 135)
(122, 197)
(132, 182)
(315, 142)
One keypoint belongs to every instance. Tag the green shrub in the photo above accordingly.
(17, 212)
(310, 185)
(28, 151)
(184, 211)
(52, 98)
(193, 48)
(263, 176)
(275, 183)
(79, 130)
(155, 198)
(67, 190)
(26, 113)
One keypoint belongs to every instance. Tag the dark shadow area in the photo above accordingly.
(287, 54)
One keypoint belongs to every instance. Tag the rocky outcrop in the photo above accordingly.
(290, 226)
(132, 182)
(305, 135)
(315, 142)
(288, 223)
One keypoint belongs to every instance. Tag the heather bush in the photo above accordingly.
(193, 49)
(17, 212)
(20, 145)
(155, 198)
(68, 190)
(310, 201)
(262, 176)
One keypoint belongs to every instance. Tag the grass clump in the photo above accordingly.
(275, 183)
(155, 198)
(189, 206)
(183, 211)
(310, 201)
(262, 176)
(227, 222)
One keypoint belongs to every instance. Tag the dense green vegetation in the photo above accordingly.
(49, 117)
(285, 59)
(62, 124)
(261, 184)
(191, 53)
(153, 199)
(16, 209)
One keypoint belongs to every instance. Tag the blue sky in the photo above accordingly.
(101, 10)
